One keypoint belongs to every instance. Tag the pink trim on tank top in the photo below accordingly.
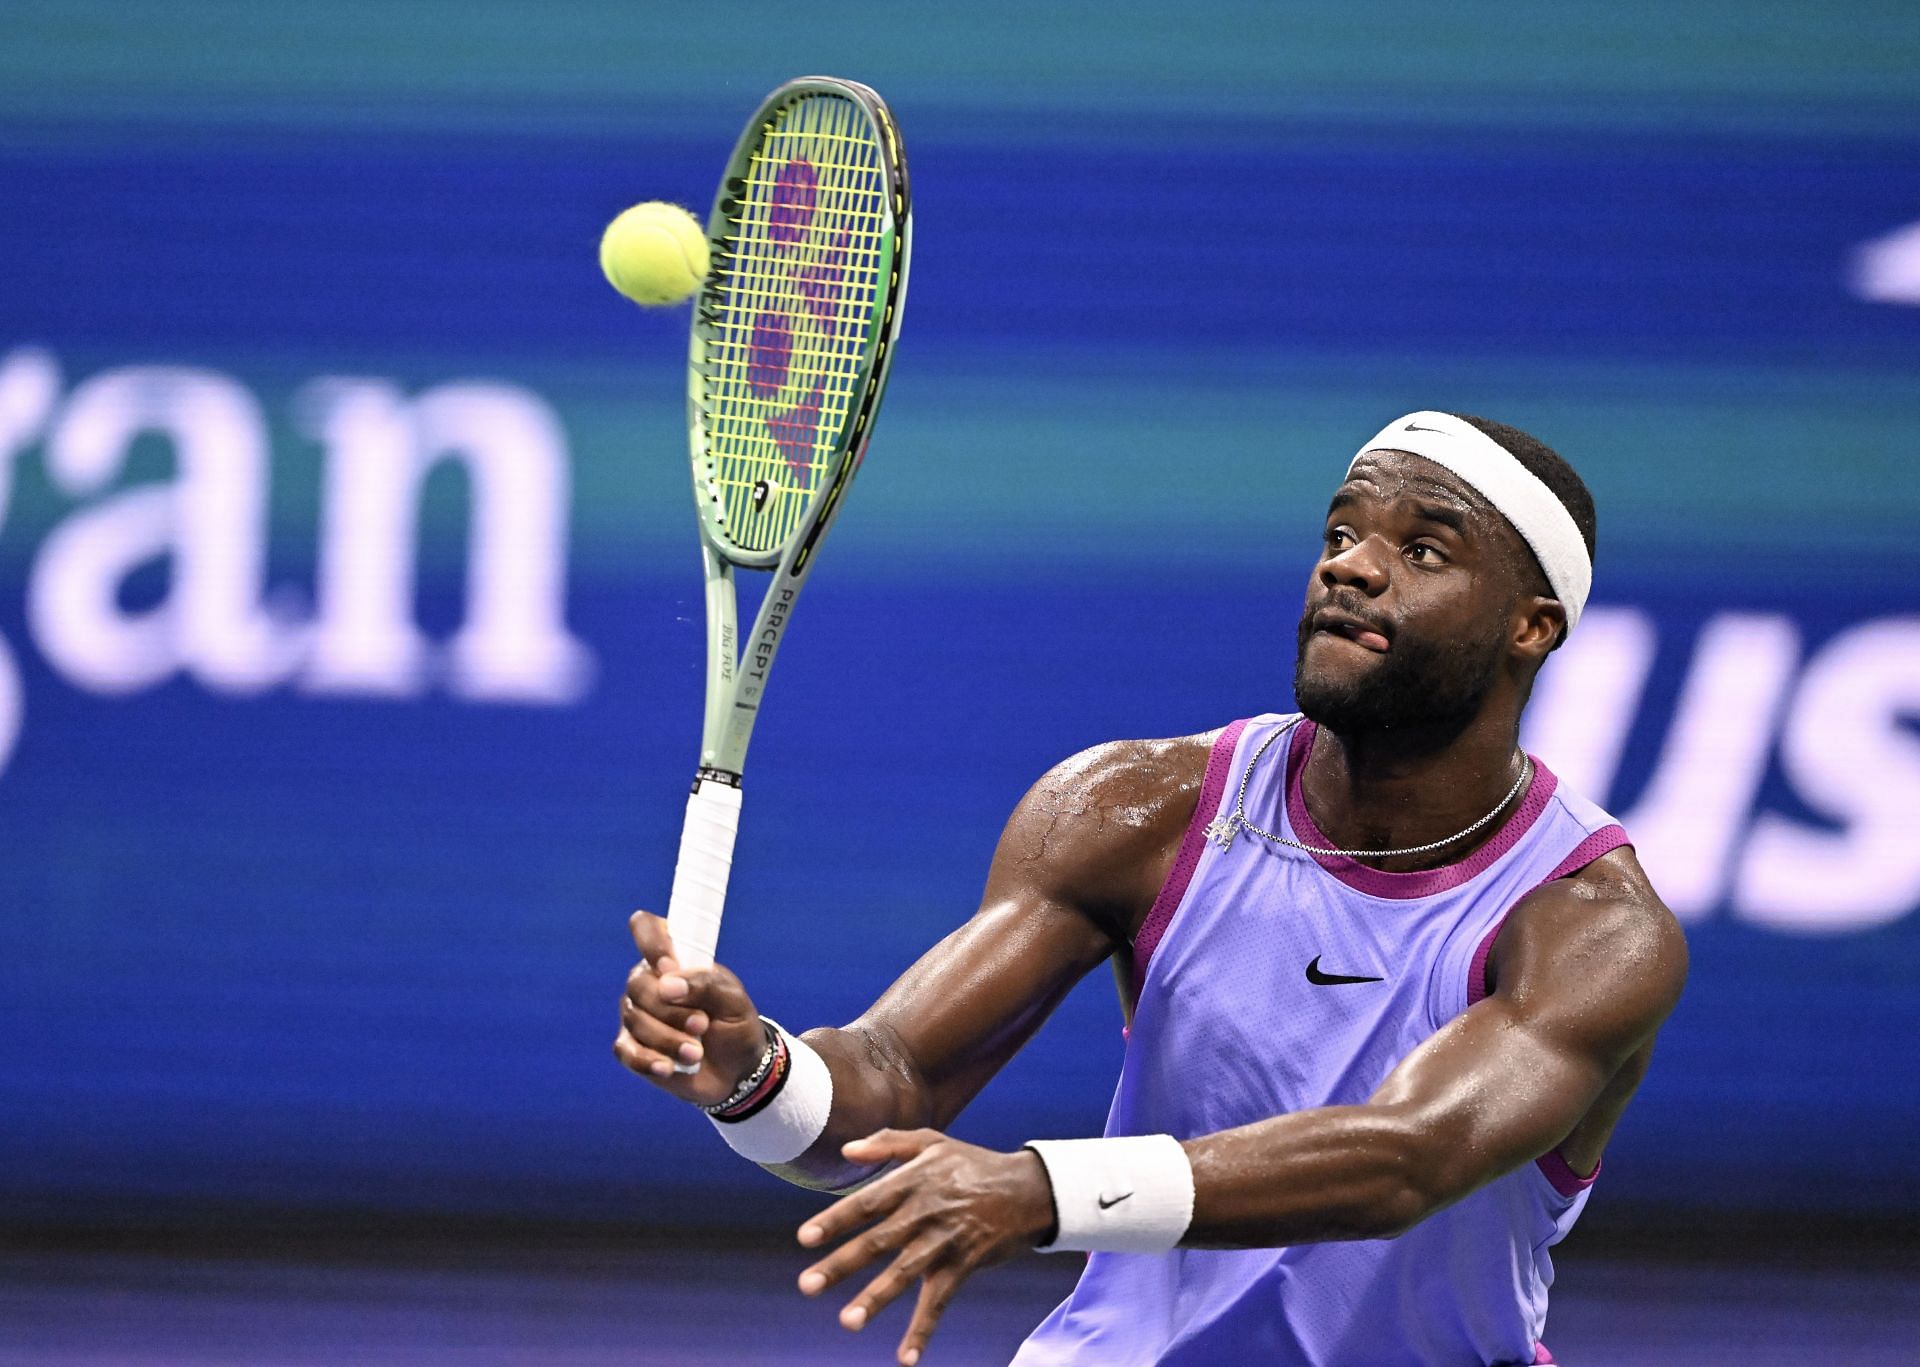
(1425, 882)
(1560, 1173)
(1192, 845)
(1541, 1357)
(1603, 841)
(1556, 1169)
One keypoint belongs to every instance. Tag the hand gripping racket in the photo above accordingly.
(793, 335)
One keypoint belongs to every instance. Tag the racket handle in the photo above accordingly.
(700, 875)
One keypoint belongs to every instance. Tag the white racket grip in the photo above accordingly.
(700, 875)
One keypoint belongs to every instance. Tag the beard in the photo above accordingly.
(1420, 687)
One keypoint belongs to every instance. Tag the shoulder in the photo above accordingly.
(1100, 829)
(1126, 779)
(1600, 933)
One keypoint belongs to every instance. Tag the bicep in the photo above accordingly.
(1491, 1090)
(1074, 869)
(1584, 985)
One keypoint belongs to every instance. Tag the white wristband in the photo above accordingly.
(1129, 1194)
(786, 1127)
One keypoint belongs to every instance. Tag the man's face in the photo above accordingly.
(1407, 610)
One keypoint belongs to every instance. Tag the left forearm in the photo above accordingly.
(1342, 1172)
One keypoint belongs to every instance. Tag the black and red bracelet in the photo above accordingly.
(760, 1086)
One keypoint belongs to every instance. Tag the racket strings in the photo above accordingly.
(801, 276)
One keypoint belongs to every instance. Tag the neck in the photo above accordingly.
(1369, 791)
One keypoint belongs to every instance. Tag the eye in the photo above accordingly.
(1426, 553)
(1339, 538)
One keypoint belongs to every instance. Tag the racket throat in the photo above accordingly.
(757, 656)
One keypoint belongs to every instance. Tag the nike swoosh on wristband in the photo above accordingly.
(1108, 1203)
(1319, 979)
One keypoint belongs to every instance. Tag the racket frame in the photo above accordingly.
(737, 668)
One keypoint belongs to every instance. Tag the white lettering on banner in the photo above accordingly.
(1886, 270)
(1587, 696)
(1850, 754)
(513, 644)
(1846, 750)
(365, 640)
(1688, 822)
(216, 620)
(29, 389)
(210, 521)
(1843, 717)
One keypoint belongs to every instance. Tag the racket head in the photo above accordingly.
(794, 330)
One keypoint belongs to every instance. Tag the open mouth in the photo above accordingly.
(1351, 629)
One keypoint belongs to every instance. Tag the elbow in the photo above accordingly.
(896, 1092)
(1402, 1206)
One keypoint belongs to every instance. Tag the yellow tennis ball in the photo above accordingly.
(654, 253)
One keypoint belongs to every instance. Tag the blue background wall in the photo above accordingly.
(275, 927)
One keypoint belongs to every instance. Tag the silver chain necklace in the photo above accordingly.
(1223, 830)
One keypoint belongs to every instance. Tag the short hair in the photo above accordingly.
(1549, 468)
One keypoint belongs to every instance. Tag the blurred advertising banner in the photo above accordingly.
(350, 617)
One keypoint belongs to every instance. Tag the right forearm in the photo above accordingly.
(875, 1087)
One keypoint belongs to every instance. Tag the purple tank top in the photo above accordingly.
(1228, 1030)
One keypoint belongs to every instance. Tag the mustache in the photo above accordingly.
(1354, 607)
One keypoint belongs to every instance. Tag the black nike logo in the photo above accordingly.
(1414, 427)
(1106, 1204)
(1319, 979)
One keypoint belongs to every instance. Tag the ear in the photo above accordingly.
(1538, 623)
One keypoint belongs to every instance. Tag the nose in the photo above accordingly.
(1362, 566)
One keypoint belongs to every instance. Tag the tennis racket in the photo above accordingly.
(793, 336)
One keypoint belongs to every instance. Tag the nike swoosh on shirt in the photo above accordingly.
(1319, 979)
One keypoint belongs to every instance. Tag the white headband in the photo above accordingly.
(1535, 511)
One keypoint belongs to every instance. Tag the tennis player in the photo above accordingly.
(1390, 985)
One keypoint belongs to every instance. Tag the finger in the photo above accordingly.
(653, 1033)
(890, 1146)
(901, 1273)
(936, 1293)
(862, 1207)
(855, 1254)
(650, 936)
(713, 990)
(643, 990)
(636, 1057)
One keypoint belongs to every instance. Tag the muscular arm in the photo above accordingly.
(1585, 971)
(1073, 875)
(1075, 872)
